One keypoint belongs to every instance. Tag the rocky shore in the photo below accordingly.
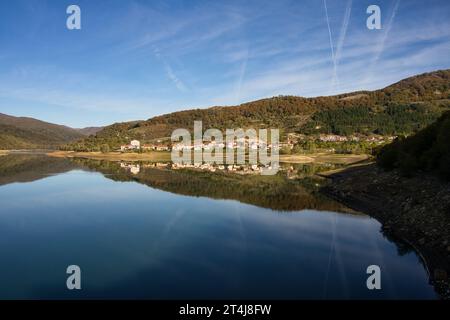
(415, 210)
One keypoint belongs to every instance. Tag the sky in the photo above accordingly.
(137, 59)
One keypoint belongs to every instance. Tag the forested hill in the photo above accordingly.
(426, 151)
(402, 108)
(29, 133)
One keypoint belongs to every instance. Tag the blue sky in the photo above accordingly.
(137, 59)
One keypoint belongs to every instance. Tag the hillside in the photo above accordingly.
(426, 151)
(29, 133)
(402, 108)
(89, 130)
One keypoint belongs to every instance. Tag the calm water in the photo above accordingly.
(133, 240)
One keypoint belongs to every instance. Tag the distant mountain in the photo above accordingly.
(402, 108)
(29, 133)
(89, 130)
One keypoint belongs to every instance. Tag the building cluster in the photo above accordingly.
(251, 144)
(293, 139)
(155, 147)
(136, 145)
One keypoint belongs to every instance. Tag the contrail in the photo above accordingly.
(333, 57)
(332, 246)
(343, 33)
(386, 32)
(380, 48)
(241, 78)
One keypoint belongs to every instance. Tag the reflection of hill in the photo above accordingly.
(26, 167)
(274, 192)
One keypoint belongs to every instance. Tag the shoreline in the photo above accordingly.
(114, 156)
(334, 158)
(418, 219)
(346, 159)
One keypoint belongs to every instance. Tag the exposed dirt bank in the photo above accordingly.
(324, 158)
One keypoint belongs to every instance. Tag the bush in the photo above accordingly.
(104, 148)
(285, 150)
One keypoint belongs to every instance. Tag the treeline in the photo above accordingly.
(426, 151)
(346, 147)
(393, 119)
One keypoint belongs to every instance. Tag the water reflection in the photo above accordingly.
(294, 188)
(161, 233)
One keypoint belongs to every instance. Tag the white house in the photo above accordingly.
(136, 144)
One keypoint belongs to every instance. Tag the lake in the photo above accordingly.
(155, 233)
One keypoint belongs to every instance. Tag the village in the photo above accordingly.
(248, 144)
(255, 144)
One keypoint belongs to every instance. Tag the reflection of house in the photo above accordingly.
(133, 168)
(134, 145)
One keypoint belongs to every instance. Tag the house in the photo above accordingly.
(162, 147)
(147, 147)
(332, 138)
(156, 147)
(134, 145)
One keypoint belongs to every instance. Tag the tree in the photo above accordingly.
(104, 148)
(285, 150)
